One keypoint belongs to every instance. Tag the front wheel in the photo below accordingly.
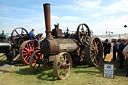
(62, 65)
(37, 62)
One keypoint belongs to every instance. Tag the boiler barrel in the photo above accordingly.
(5, 47)
(55, 46)
(67, 45)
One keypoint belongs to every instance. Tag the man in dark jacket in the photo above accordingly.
(107, 47)
(33, 37)
(121, 56)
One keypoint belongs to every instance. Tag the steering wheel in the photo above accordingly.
(18, 36)
(83, 33)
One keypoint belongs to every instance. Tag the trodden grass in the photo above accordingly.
(81, 74)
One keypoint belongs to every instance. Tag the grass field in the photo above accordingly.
(81, 74)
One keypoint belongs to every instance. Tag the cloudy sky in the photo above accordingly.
(99, 15)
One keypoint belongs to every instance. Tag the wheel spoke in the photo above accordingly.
(24, 36)
(59, 66)
(22, 32)
(15, 38)
(36, 56)
(65, 58)
(92, 59)
(25, 48)
(95, 60)
(60, 72)
(97, 43)
(24, 51)
(25, 54)
(17, 33)
(81, 33)
(30, 46)
(83, 27)
(27, 58)
(93, 45)
(34, 61)
(27, 45)
(92, 54)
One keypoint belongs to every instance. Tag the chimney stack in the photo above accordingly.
(47, 20)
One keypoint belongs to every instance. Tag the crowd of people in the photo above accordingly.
(120, 51)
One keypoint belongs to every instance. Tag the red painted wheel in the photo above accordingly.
(26, 49)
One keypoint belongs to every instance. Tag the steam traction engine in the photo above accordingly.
(23, 48)
(17, 47)
(61, 51)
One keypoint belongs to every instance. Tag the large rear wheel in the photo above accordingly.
(83, 33)
(26, 49)
(94, 52)
(18, 36)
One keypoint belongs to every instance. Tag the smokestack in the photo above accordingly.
(47, 20)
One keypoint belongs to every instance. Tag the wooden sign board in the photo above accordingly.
(108, 58)
(108, 71)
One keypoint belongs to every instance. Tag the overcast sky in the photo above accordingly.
(99, 15)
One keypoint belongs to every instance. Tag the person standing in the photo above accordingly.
(121, 56)
(106, 47)
(114, 50)
(117, 47)
(125, 53)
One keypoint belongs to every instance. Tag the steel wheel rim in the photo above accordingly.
(18, 36)
(26, 50)
(62, 65)
(96, 51)
(83, 34)
(37, 62)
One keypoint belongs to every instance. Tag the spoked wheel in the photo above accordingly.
(18, 36)
(37, 62)
(62, 65)
(95, 55)
(83, 33)
(26, 49)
